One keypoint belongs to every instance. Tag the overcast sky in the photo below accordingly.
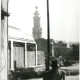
(64, 17)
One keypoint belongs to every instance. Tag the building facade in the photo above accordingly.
(61, 49)
(22, 49)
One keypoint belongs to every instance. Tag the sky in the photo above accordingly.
(63, 14)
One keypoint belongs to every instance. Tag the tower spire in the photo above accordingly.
(36, 11)
(36, 7)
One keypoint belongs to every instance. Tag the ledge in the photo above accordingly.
(4, 13)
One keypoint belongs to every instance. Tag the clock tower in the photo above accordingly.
(37, 30)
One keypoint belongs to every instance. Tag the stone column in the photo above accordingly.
(25, 55)
(4, 40)
(36, 54)
(4, 49)
(12, 61)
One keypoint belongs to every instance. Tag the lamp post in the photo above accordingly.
(48, 38)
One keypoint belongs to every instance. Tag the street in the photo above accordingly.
(36, 79)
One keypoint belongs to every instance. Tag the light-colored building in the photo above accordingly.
(23, 49)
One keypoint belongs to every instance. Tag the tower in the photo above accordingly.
(37, 30)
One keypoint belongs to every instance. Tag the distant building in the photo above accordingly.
(60, 44)
(42, 46)
(61, 49)
(37, 30)
(37, 35)
(74, 47)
